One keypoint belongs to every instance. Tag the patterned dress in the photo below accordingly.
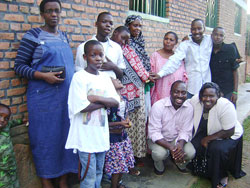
(8, 173)
(119, 158)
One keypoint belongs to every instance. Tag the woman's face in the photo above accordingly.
(51, 14)
(169, 42)
(135, 28)
(209, 98)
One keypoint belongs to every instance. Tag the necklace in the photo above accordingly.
(205, 115)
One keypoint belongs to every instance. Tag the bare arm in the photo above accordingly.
(107, 102)
(234, 95)
(223, 134)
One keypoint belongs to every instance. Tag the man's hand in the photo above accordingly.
(52, 77)
(178, 153)
(109, 65)
(92, 98)
(154, 76)
(234, 98)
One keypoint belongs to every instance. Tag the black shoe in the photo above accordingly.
(157, 172)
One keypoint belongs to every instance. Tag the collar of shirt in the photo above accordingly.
(168, 103)
(109, 42)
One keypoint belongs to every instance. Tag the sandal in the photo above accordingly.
(221, 185)
(121, 185)
(134, 172)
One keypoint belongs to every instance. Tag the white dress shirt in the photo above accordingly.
(197, 58)
(112, 50)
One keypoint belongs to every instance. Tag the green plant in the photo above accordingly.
(15, 122)
(246, 125)
(247, 79)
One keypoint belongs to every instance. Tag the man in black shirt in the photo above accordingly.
(223, 65)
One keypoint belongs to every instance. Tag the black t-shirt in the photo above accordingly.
(222, 65)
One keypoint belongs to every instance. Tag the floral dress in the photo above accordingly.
(119, 158)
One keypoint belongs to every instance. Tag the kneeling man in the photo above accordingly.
(170, 129)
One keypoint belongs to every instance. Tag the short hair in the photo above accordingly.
(5, 106)
(176, 82)
(121, 29)
(42, 4)
(89, 44)
(209, 85)
(101, 14)
(197, 20)
(216, 28)
(173, 33)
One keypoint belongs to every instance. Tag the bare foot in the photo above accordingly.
(63, 181)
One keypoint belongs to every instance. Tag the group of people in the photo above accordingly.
(115, 103)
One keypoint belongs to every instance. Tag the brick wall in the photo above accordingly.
(78, 19)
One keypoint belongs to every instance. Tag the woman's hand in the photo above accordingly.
(154, 76)
(49, 77)
(205, 141)
(126, 123)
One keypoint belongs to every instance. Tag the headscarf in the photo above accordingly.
(138, 43)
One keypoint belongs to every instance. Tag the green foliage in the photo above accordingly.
(247, 79)
(246, 125)
(15, 122)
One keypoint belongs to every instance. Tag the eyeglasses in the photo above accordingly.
(51, 11)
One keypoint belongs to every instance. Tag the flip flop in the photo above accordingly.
(134, 172)
(221, 185)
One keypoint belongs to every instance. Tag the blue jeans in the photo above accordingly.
(94, 174)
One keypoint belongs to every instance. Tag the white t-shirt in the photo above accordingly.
(111, 49)
(89, 132)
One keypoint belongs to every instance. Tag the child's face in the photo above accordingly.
(117, 84)
(121, 38)
(4, 116)
(105, 25)
(95, 57)
(197, 30)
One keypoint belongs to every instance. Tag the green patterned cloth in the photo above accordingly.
(8, 174)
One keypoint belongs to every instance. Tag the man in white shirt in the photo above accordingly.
(114, 57)
(197, 52)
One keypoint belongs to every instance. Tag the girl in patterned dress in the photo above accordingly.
(119, 159)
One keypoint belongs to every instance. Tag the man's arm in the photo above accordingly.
(235, 91)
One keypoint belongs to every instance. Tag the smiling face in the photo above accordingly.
(169, 42)
(121, 38)
(209, 98)
(4, 116)
(135, 28)
(218, 36)
(94, 57)
(178, 94)
(197, 30)
(51, 14)
(104, 25)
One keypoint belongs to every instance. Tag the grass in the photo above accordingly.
(247, 79)
(205, 183)
(246, 125)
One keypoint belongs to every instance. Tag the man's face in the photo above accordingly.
(218, 36)
(105, 25)
(197, 29)
(178, 95)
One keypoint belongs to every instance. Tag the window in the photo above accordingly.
(237, 20)
(212, 13)
(153, 7)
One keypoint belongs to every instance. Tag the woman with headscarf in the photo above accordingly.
(137, 132)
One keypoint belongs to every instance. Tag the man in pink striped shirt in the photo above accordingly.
(170, 129)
